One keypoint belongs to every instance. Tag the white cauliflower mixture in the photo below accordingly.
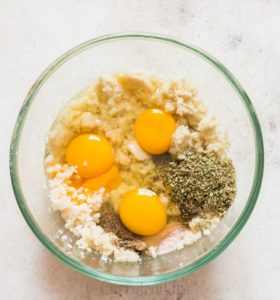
(109, 108)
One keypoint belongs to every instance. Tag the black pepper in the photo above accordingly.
(110, 221)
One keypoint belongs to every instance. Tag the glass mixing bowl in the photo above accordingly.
(148, 53)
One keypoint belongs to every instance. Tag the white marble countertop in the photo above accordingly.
(244, 35)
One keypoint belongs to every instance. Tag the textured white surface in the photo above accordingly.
(244, 35)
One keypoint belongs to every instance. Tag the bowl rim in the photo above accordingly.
(205, 259)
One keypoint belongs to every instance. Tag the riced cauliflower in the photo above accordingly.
(109, 108)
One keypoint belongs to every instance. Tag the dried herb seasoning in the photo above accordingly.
(199, 183)
(111, 222)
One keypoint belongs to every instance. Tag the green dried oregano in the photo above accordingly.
(200, 183)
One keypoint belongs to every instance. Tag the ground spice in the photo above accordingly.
(111, 222)
(200, 183)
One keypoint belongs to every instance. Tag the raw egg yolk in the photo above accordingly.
(142, 212)
(153, 130)
(91, 153)
(109, 180)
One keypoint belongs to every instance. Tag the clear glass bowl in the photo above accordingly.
(148, 53)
